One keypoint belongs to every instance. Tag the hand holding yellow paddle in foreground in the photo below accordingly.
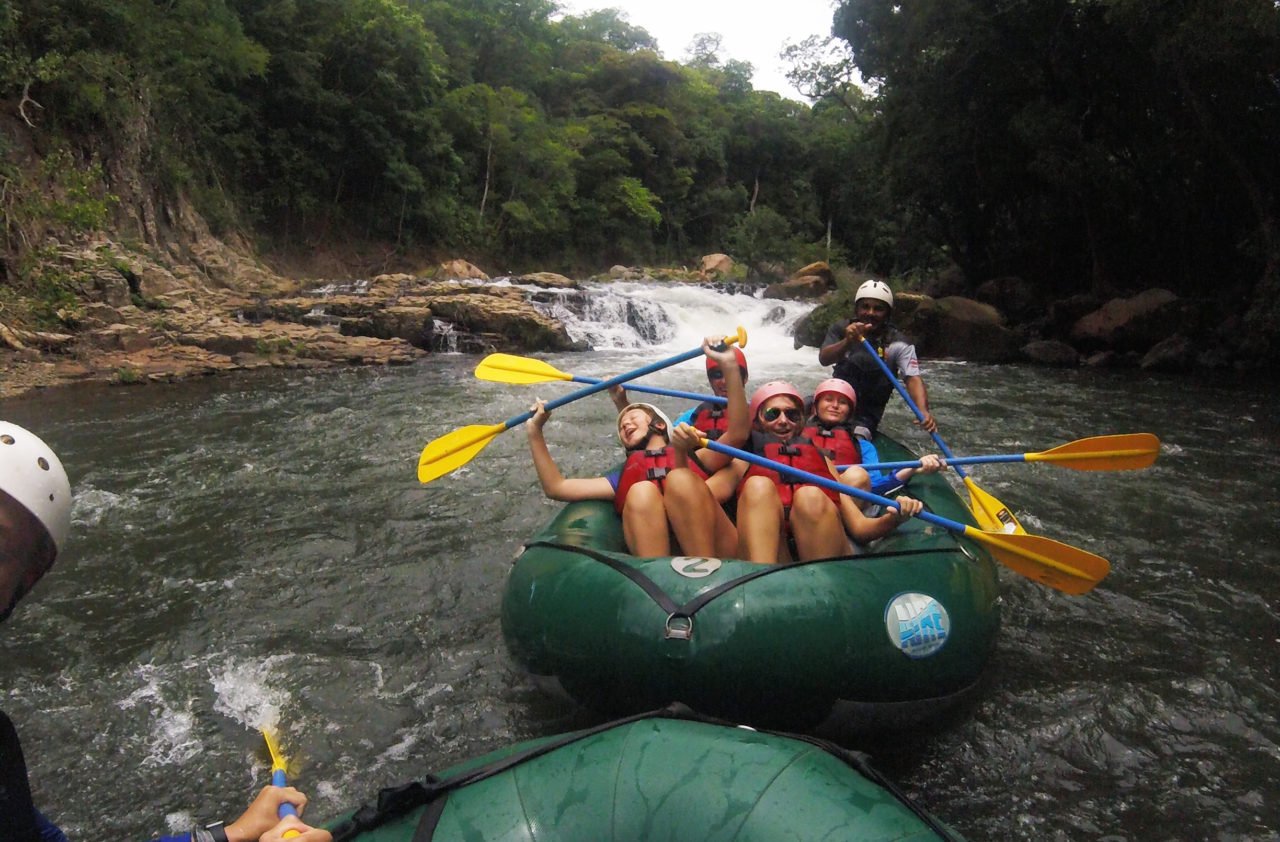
(273, 815)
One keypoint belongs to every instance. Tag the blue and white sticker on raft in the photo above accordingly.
(917, 624)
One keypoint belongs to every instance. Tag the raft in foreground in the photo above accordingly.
(890, 637)
(662, 777)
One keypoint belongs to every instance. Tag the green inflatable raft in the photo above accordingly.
(891, 637)
(667, 776)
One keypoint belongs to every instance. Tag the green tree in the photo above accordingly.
(521, 171)
(761, 239)
(345, 123)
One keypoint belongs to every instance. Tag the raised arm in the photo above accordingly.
(554, 483)
(739, 419)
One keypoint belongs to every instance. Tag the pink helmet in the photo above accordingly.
(840, 387)
(772, 389)
(742, 362)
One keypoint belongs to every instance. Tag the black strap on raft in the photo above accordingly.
(689, 609)
(17, 813)
(433, 793)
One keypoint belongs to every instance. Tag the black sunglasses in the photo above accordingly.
(772, 413)
(715, 374)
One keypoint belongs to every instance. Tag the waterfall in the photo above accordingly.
(641, 321)
(627, 324)
(444, 337)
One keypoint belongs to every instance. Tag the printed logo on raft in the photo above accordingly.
(694, 567)
(917, 624)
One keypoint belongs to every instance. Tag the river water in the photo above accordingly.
(256, 551)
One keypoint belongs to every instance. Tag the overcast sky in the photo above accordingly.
(754, 32)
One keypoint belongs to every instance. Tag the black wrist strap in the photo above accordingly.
(209, 833)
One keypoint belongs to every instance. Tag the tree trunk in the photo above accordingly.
(488, 171)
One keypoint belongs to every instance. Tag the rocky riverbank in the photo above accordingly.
(144, 327)
(140, 324)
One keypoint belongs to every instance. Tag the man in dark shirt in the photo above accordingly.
(843, 348)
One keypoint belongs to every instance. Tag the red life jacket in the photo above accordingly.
(799, 453)
(711, 418)
(838, 442)
(651, 465)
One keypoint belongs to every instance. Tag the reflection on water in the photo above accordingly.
(259, 548)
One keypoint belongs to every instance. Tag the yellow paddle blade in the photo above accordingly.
(452, 451)
(990, 513)
(277, 757)
(1060, 566)
(508, 368)
(1126, 452)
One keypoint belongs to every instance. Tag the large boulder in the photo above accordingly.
(549, 280)
(414, 325)
(818, 268)
(1129, 324)
(461, 270)
(812, 281)
(949, 281)
(1051, 352)
(1019, 299)
(1175, 354)
(715, 264)
(518, 324)
(1063, 313)
(108, 286)
(798, 288)
(958, 327)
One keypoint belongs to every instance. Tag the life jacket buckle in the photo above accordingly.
(679, 627)
(655, 473)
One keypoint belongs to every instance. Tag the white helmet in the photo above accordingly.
(33, 475)
(877, 290)
(654, 414)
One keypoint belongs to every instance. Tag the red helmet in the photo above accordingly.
(772, 389)
(742, 362)
(840, 387)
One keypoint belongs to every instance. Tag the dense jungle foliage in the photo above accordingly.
(1086, 145)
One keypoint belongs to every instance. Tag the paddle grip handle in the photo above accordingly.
(902, 390)
(278, 779)
(286, 809)
(827, 482)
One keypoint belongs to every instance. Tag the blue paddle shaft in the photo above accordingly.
(951, 460)
(278, 779)
(605, 384)
(827, 482)
(670, 393)
(902, 390)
